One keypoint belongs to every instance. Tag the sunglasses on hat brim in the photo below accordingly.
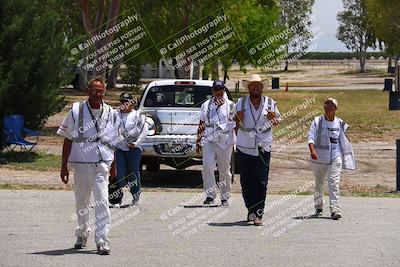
(126, 100)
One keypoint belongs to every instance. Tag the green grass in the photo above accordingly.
(9, 186)
(367, 74)
(35, 161)
(366, 111)
(379, 190)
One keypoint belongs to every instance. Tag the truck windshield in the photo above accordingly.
(177, 96)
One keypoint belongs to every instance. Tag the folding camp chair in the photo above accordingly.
(14, 132)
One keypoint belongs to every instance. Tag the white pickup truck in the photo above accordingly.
(173, 107)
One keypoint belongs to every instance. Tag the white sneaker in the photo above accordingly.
(115, 206)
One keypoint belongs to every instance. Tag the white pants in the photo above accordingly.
(333, 171)
(214, 155)
(88, 177)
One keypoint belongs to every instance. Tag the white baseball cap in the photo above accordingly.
(333, 100)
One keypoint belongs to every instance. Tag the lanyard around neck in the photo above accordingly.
(212, 102)
(93, 118)
(251, 111)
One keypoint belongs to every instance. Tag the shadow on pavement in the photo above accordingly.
(312, 216)
(172, 179)
(239, 223)
(200, 206)
(60, 252)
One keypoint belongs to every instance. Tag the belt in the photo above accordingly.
(248, 130)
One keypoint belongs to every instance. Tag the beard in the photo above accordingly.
(255, 94)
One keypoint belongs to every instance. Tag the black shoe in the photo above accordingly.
(135, 202)
(80, 243)
(224, 203)
(208, 201)
(318, 212)
(103, 249)
(251, 217)
(336, 215)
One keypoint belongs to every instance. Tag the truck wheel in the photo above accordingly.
(141, 168)
(153, 167)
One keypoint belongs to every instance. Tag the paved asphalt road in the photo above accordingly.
(172, 229)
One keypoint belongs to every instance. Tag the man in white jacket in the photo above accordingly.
(330, 152)
(256, 116)
(216, 138)
(88, 131)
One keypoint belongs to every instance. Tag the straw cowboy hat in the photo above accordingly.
(255, 78)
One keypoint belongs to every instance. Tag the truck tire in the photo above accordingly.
(153, 166)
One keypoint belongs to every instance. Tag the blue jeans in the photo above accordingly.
(128, 170)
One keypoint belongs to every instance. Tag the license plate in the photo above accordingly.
(175, 148)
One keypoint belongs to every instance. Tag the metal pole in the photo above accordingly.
(397, 80)
(398, 165)
(2, 160)
(1, 131)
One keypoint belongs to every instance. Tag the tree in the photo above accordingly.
(95, 26)
(249, 18)
(168, 19)
(32, 59)
(153, 17)
(385, 21)
(355, 30)
(296, 15)
(177, 18)
(252, 21)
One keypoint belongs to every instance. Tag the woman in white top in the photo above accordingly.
(132, 131)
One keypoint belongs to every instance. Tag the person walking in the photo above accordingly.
(88, 131)
(216, 138)
(256, 115)
(330, 151)
(132, 130)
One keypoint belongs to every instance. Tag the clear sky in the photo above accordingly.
(325, 12)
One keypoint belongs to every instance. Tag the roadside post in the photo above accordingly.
(398, 165)
(2, 160)
(394, 104)
(237, 84)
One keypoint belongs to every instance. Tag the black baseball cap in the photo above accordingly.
(218, 85)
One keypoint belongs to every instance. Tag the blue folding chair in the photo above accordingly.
(14, 132)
